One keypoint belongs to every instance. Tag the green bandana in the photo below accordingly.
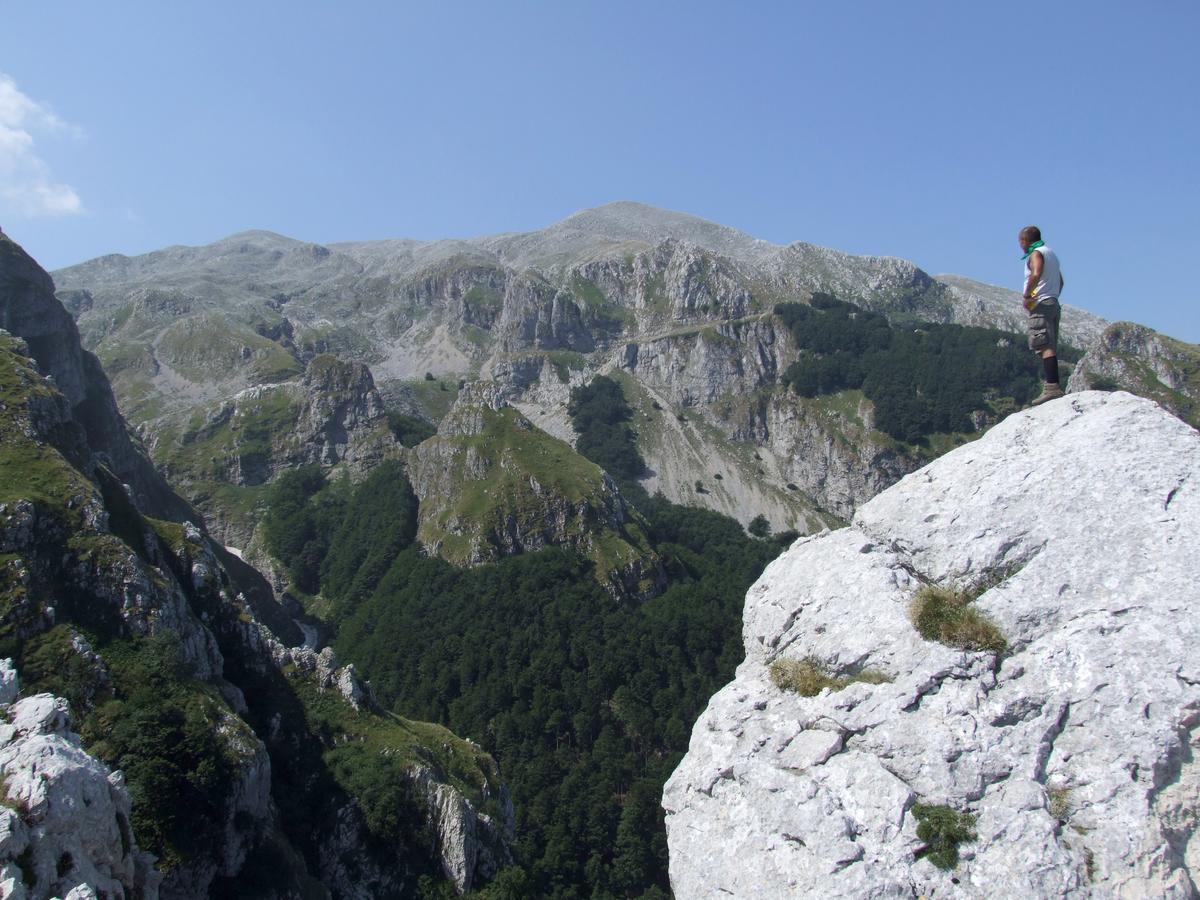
(1033, 247)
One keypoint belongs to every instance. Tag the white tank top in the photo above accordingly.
(1050, 285)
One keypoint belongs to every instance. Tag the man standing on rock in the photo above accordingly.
(1043, 284)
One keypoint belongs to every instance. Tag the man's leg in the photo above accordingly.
(1043, 338)
(1050, 365)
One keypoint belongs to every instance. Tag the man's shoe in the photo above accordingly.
(1049, 392)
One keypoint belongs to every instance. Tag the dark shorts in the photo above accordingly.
(1043, 326)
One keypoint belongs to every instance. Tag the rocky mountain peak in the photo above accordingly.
(473, 411)
(627, 220)
(1064, 756)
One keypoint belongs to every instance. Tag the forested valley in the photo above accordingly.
(586, 701)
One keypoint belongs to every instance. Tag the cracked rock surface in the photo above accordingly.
(64, 817)
(1075, 751)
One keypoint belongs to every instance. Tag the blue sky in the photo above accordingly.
(929, 131)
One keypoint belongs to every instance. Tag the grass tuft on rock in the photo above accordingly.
(1059, 803)
(809, 676)
(947, 617)
(942, 829)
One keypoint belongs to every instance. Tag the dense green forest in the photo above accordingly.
(586, 702)
(599, 413)
(922, 380)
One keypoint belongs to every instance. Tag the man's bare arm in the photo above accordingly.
(1036, 264)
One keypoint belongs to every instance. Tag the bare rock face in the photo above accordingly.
(1074, 750)
(64, 824)
(703, 366)
(471, 846)
(343, 414)
(838, 459)
(537, 314)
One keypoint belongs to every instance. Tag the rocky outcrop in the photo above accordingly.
(1134, 358)
(61, 537)
(491, 484)
(64, 816)
(471, 845)
(343, 418)
(703, 366)
(673, 281)
(1074, 750)
(78, 552)
(333, 416)
(537, 315)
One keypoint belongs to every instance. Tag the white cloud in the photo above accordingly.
(27, 187)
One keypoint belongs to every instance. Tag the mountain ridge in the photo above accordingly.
(665, 296)
(592, 235)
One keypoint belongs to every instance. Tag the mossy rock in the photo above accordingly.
(942, 829)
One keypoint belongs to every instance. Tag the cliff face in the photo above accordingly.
(219, 454)
(29, 310)
(1076, 524)
(830, 450)
(79, 560)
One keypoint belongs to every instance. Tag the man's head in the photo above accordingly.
(1028, 235)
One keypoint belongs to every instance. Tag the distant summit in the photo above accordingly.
(629, 223)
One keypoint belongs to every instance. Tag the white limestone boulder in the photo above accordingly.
(65, 820)
(1076, 755)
